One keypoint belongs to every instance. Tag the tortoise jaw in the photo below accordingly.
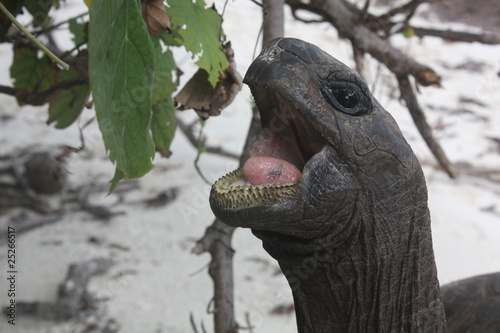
(224, 196)
(227, 196)
(285, 135)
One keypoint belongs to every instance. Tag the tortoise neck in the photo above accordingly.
(383, 278)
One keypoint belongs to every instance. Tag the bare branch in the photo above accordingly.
(73, 295)
(408, 94)
(194, 141)
(217, 238)
(365, 9)
(359, 60)
(408, 8)
(346, 22)
(257, 3)
(217, 241)
(273, 19)
(486, 37)
(39, 98)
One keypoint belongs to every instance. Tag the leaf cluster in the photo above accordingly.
(122, 58)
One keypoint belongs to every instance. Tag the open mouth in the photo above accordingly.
(278, 157)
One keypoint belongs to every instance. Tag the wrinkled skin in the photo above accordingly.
(353, 235)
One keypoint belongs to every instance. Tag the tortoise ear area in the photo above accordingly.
(384, 156)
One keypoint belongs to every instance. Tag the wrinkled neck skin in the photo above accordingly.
(380, 278)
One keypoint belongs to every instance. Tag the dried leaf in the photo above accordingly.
(428, 77)
(153, 13)
(198, 93)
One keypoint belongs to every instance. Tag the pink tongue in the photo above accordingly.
(270, 170)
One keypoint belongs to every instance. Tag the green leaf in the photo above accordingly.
(163, 121)
(30, 72)
(79, 31)
(164, 83)
(122, 67)
(408, 32)
(65, 105)
(39, 9)
(201, 31)
(163, 126)
(172, 37)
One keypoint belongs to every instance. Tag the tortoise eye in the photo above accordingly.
(347, 98)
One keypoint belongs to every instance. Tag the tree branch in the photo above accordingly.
(273, 26)
(486, 37)
(194, 141)
(217, 241)
(73, 295)
(51, 55)
(217, 238)
(346, 23)
(408, 8)
(408, 94)
(359, 60)
(39, 98)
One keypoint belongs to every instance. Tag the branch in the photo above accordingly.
(73, 295)
(194, 141)
(217, 241)
(33, 223)
(8, 90)
(408, 94)
(346, 22)
(39, 98)
(382, 23)
(491, 38)
(359, 60)
(217, 238)
(33, 39)
(273, 26)
(408, 8)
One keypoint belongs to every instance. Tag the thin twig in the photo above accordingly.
(409, 96)
(186, 130)
(256, 2)
(193, 324)
(33, 223)
(201, 149)
(365, 9)
(408, 7)
(33, 39)
(359, 60)
(73, 294)
(486, 37)
(257, 41)
(39, 98)
(249, 323)
(57, 25)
